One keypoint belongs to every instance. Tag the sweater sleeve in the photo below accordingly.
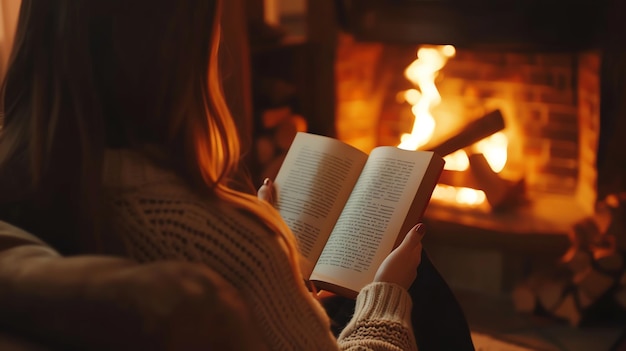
(381, 320)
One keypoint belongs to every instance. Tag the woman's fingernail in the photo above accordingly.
(266, 181)
(421, 229)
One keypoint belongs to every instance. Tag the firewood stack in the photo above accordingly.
(279, 127)
(588, 285)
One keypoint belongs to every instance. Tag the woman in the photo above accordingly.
(114, 122)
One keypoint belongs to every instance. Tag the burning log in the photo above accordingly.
(459, 179)
(477, 130)
(495, 188)
(500, 193)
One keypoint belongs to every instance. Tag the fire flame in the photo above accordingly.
(459, 195)
(422, 73)
(494, 148)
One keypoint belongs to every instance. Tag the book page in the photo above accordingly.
(373, 217)
(312, 186)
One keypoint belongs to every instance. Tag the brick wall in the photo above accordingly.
(359, 98)
(589, 126)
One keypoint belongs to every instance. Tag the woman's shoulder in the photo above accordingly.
(130, 169)
(139, 187)
(133, 176)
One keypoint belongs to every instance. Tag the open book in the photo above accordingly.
(347, 210)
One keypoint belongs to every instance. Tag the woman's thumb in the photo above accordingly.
(414, 236)
(266, 190)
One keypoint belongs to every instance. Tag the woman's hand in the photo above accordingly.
(266, 191)
(400, 267)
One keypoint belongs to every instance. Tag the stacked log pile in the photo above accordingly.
(279, 127)
(588, 285)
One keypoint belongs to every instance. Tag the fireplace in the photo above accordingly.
(540, 67)
(530, 62)
(549, 102)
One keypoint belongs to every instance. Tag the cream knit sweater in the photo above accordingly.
(159, 217)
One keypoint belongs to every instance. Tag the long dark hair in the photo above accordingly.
(87, 75)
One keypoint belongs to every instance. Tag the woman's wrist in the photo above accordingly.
(387, 301)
